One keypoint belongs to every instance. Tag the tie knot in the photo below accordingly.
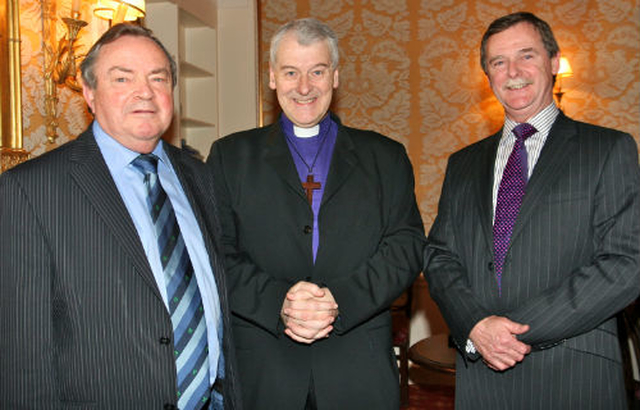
(146, 163)
(524, 130)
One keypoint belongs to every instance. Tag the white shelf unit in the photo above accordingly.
(192, 41)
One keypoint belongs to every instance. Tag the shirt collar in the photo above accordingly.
(116, 155)
(542, 121)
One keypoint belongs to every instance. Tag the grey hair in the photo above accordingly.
(307, 31)
(120, 30)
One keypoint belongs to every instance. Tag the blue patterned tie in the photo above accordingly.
(185, 304)
(510, 193)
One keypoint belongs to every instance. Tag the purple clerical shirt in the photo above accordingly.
(312, 153)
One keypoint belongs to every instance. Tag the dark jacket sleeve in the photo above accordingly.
(26, 274)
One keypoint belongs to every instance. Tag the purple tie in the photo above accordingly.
(510, 193)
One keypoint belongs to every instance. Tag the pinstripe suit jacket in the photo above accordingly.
(573, 262)
(82, 322)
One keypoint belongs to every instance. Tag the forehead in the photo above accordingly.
(292, 53)
(517, 37)
(131, 52)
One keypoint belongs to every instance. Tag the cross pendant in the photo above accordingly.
(309, 187)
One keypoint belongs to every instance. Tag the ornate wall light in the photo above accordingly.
(564, 71)
(61, 59)
(120, 10)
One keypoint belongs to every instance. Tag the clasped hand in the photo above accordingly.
(495, 339)
(308, 312)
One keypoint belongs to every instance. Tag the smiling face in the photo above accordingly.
(520, 71)
(133, 97)
(304, 80)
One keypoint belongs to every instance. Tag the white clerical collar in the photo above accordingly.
(306, 132)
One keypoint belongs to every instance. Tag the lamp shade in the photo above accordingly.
(565, 68)
(127, 10)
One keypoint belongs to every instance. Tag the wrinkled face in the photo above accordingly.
(303, 80)
(520, 71)
(133, 98)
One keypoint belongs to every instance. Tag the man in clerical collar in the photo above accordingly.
(321, 233)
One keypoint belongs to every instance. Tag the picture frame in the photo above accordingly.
(11, 150)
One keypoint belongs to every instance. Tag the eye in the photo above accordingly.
(121, 79)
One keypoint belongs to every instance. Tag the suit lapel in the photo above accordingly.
(484, 187)
(547, 169)
(343, 161)
(278, 156)
(91, 174)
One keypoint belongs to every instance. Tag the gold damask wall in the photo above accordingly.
(74, 117)
(410, 69)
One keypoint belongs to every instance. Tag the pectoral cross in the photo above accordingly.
(309, 187)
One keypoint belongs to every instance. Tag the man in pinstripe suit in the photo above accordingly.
(84, 311)
(543, 320)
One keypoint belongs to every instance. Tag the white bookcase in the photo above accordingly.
(193, 43)
(209, 39)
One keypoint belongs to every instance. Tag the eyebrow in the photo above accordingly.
(119, 68)
(290, 67)
(527, 50)
(161, 70)
(521, 51)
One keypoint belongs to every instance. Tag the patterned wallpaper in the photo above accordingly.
(410, 69)
(73, 114)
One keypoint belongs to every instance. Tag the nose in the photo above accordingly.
(512, 69)
(303, 85)
(144, 90)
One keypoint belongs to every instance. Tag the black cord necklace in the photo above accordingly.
(310, 184)
(323, 138)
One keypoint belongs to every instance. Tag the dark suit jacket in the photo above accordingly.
(81, 318)
(371, 243)
(572, 264)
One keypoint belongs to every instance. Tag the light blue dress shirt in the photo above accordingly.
(130, 184)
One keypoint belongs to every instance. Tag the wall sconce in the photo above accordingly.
(564, 71)
(120, 10)
(61, 61)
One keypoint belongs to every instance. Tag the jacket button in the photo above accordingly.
(169, 406)
(165, 340)
(308, 229)
(490, 266)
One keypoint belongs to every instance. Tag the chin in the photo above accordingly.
(304, 122)
(148, 136)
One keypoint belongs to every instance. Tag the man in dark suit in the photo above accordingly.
(105, 302)
(321, 233)
(537, 241)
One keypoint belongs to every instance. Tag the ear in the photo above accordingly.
(555, 64)
(272, 78)
(88, 95)
(336, 78)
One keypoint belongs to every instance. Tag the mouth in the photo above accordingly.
(305, 101)
(143, 111)
(517, 84)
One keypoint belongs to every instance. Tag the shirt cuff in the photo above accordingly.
(470, 348)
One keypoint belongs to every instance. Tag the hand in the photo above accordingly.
(308, 312)
(495, 339)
